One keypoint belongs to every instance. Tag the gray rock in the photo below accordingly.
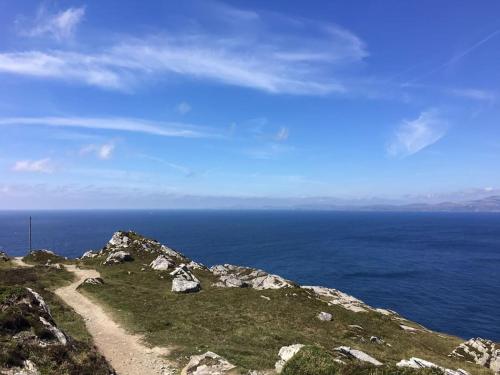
(357, 354)
(481, 351)
(324, 316)
(118, 257)
(285, 354)
(230, 281)
(208, 363)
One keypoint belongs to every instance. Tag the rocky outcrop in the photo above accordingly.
(480, 351)
(161, 263)
(184, 281)
(285, 354)
(336, 297)
(254, 278)
(422, 363)
(118, 257)
(357, 354)
(324, 316)
(208, 363)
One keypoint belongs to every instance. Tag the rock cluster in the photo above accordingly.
(357, 354)
(285, 354)
(417, 363)
(336, 297)
(481, 351)
(208, 363)
(236, 276)
(184, 280)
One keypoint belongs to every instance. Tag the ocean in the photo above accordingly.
(439, 269)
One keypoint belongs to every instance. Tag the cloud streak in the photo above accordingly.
(301, 57)
(61, 25)
(38, 166)
(164, 129)
(415, 135)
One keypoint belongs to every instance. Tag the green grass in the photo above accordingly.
(245, 328)
(37, 257)
(313, 360)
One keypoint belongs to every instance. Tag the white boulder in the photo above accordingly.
(357, 354)
(208, 363)
(285, 354)
(89, 254)
(325, 317)
(184, 280)
(93, 281)
(161, 263)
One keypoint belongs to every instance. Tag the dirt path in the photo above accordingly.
(124, 351)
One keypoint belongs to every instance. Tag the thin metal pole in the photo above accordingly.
(30, 233)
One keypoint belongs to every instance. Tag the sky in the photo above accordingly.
(205, 104)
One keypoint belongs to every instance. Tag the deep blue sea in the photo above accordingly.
(439, 269)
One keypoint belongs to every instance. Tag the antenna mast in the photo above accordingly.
(30, 233)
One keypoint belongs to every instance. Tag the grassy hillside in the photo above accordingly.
(248, 326)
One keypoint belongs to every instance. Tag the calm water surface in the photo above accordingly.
(439, 269)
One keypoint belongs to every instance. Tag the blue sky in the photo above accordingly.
(247, 104)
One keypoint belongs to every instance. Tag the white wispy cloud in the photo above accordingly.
(39, 166)
(60, 25)
(301, 58)
(282, 134)
(103, 151)
(183, 108)
(415, 135)
(165, 129)
(475, 94)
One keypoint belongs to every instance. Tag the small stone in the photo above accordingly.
(325, 317)
(285, 354)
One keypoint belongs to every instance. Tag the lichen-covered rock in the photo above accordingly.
(184, 280)
(208, 363)
(255, 278)
(336, 297)
(285, 354)
(161, 263)
(481, 351)
(118, 257)
(417, 363)
(324, 316)
(357, 354)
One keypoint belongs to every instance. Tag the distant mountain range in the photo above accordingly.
(488, 204)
